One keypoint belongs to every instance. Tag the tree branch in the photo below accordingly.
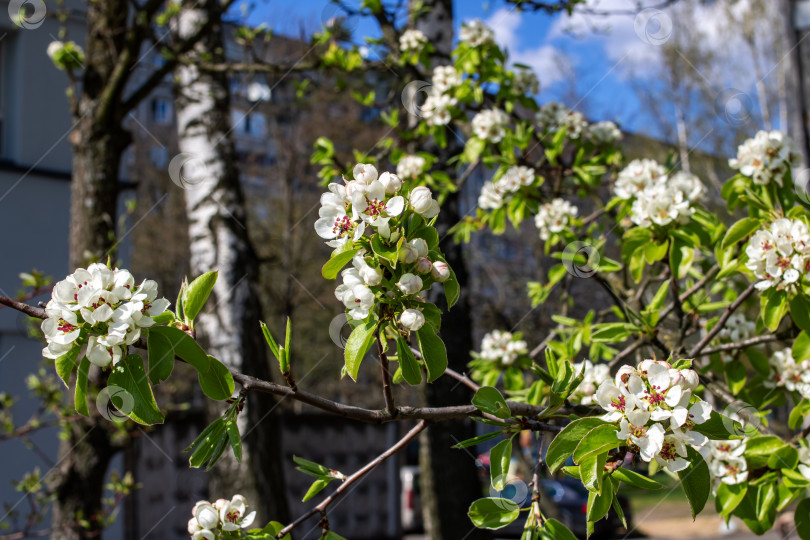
(31, 311)
(722, 322)
(388, 395)
(321, 508)
(750, 342)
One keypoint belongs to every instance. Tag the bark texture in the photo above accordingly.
(229, 326)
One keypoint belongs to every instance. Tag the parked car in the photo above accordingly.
(411, 500)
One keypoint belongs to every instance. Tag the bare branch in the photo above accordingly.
(722, 322)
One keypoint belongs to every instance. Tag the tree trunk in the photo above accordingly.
(229, 326)
(445, 503)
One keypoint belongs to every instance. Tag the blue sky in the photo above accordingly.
(595, 64)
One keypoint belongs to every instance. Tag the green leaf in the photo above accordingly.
(800, 312)
(215, 379)
(774, 308)
(695, 481)
(557, 531)
(487, 399)
(612, 332)
(208, 445)
(316, 487)
(334, 265)
(408, 363)
(617, 506)
(599, 503)
(499, 458)
(389, 253)
(358, 345)
(332, 535)
(598, 440)
(729, 497)
(786, 457)
(736, 376)
(801, 347)
(271, 342)
(635, 479)
(130, 375)
(284, 361)
(739, 230)
(310, 467)
(802, 519)
(759, 449)
(592, 470)
(433, 315)
(452, 291)
(766, 504)
(717, 428)
(234, 438)
(434, 354)
(567, 440)
(66, 363)
(160, 356)
(493, 512)
(197, 292)
(798, 413)
(80, 397)
(477, 440)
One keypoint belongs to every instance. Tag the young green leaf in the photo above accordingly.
(635, 479)
(271, 342)
(411, 371)
(234, 438)
(554, 530)
(334, 265)
(728, 497)
(197, 292)
(66, 363)
(357, 346)
(487, 399)
(802, 518)
(499, 459)
(493, 513)
(739, 230)
(695, 481)
(316, 487)
(591, 471)
(567, 440)
(130, 375)
(160, 356)
(434, 354)
(599, 503)
(477, 440)
(80, 397)
(597, 441)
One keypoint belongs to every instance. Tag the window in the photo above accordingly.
(159, 156)
(162, 111)
(250, 124)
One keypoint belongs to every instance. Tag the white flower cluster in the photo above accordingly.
(525, 81)
(490, 125)
(737, 328)
(787, 373)
(211, 520)
(410, 166)
(436, 109)
(476, 33)
(804, 459)
(726, 462)
(595, 375)
(656, 411)
(412, 40)
(604, 133)
(554, 116)
(502, 347)
(553, 217)
(659, 198)
(766, 157)
(445, 78)
(779, 255)
(106, 305)
(370, 200)
(494, 194)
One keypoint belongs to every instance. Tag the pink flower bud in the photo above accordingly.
(423, 265)
(440, 271)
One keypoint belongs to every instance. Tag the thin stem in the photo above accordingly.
(742, 344)
(722, 322)
(371, 465)
(388, 394)
(691, 290)
(463, 379)
(37, 313)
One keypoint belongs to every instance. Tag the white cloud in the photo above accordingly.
(545, 59)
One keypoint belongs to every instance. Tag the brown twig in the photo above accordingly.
(722, 322)
(388, 394)
(37, 313)
(750, 342)
(321, 508)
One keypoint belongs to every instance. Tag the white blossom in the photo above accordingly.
(409, 284)
(780, 255)
(726, 462)
(766, 157)
(445, 78)
(502, 347)
(637, 176)
(104, 304)
(656, 411)
(490, 125)
(554, 116)
(789, 374)
(354, 294)
(391, 183)
(476, 33)
(422, 201)
(525, 81)
(736, 329)
(603, 133)
(412, 40)
(491, 196)
(412, 319)
(232, 514)
(554, 217)
(594, 375)
(436, 108)
(410, 166)
(658, 198)
(440, 271)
